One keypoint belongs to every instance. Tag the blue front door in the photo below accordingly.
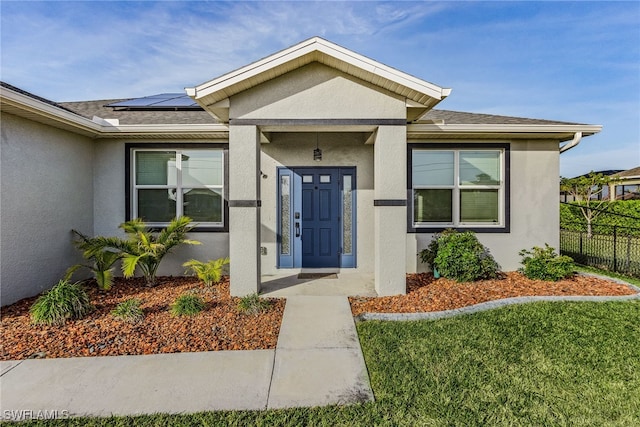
(316, 217)
(320, 218)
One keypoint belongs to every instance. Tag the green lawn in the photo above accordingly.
(628, 279)
(560, 364)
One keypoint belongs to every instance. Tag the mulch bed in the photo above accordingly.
(222, 327)
(425, 293)
(219, 327)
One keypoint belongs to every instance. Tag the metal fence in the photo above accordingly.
(609, 247)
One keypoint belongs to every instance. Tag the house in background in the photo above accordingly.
(627, 186)
(315, 158)
(604, 194)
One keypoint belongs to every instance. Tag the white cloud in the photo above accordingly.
(134, 49)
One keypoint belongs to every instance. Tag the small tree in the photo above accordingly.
(585, 191)
(146, 249)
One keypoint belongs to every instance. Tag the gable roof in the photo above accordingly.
(95, 119)
(213, 94)
(101, 108)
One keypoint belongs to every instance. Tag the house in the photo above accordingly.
(315, 157)
(626, 186)
(603, 194)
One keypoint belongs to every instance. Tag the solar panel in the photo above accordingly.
(160, 101)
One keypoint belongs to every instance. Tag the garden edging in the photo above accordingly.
(490, 305)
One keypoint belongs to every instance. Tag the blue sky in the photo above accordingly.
(569, 61)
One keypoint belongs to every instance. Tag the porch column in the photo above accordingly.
(390, 209)
(244, 209)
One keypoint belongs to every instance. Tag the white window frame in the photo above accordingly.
(456, 190)
(178, 186)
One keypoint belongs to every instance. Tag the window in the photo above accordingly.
(458, 188)
(167, 183)
(628, 192)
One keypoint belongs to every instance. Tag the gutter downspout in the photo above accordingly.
(577, 137)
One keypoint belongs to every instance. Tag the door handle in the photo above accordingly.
(297, 229)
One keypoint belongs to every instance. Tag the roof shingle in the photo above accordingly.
(90, 109)
(628, 173)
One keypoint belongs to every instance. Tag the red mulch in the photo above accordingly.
(219, 327)
(425, 293)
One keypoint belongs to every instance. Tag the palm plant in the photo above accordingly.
(209, 272)
(146, 249)
(102, 256)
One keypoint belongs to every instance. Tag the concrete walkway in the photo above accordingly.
(318, 358)
(317, 361)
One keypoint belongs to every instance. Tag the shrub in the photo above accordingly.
(187, 305)
(209, 272)
(129, 311)
(146, 249)
(62, 302)
(253, 304)
(101, 259)
(545, 264)
(460, 256)
(428, 255)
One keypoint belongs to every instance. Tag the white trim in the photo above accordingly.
(418, 128)
(20, 104)
(308, 51)
(11, 99)
(456, 188)
(178, 186)
(574, 142)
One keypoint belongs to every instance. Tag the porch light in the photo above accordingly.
(317, 153)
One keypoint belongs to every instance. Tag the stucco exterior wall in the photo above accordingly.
(338, 149)
(46, 177)
(390, 162)
(316, 91)
(535, 217)
(109, 209)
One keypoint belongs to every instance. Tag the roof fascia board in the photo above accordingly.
(308, 47)
(502, 128)
(166, 128)
(251, 70)
(42, 109)
(96, 130)
(381, 70)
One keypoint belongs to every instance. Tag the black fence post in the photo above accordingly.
(627, 267)
(597, 252)
(615, 248)
(580, 243)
